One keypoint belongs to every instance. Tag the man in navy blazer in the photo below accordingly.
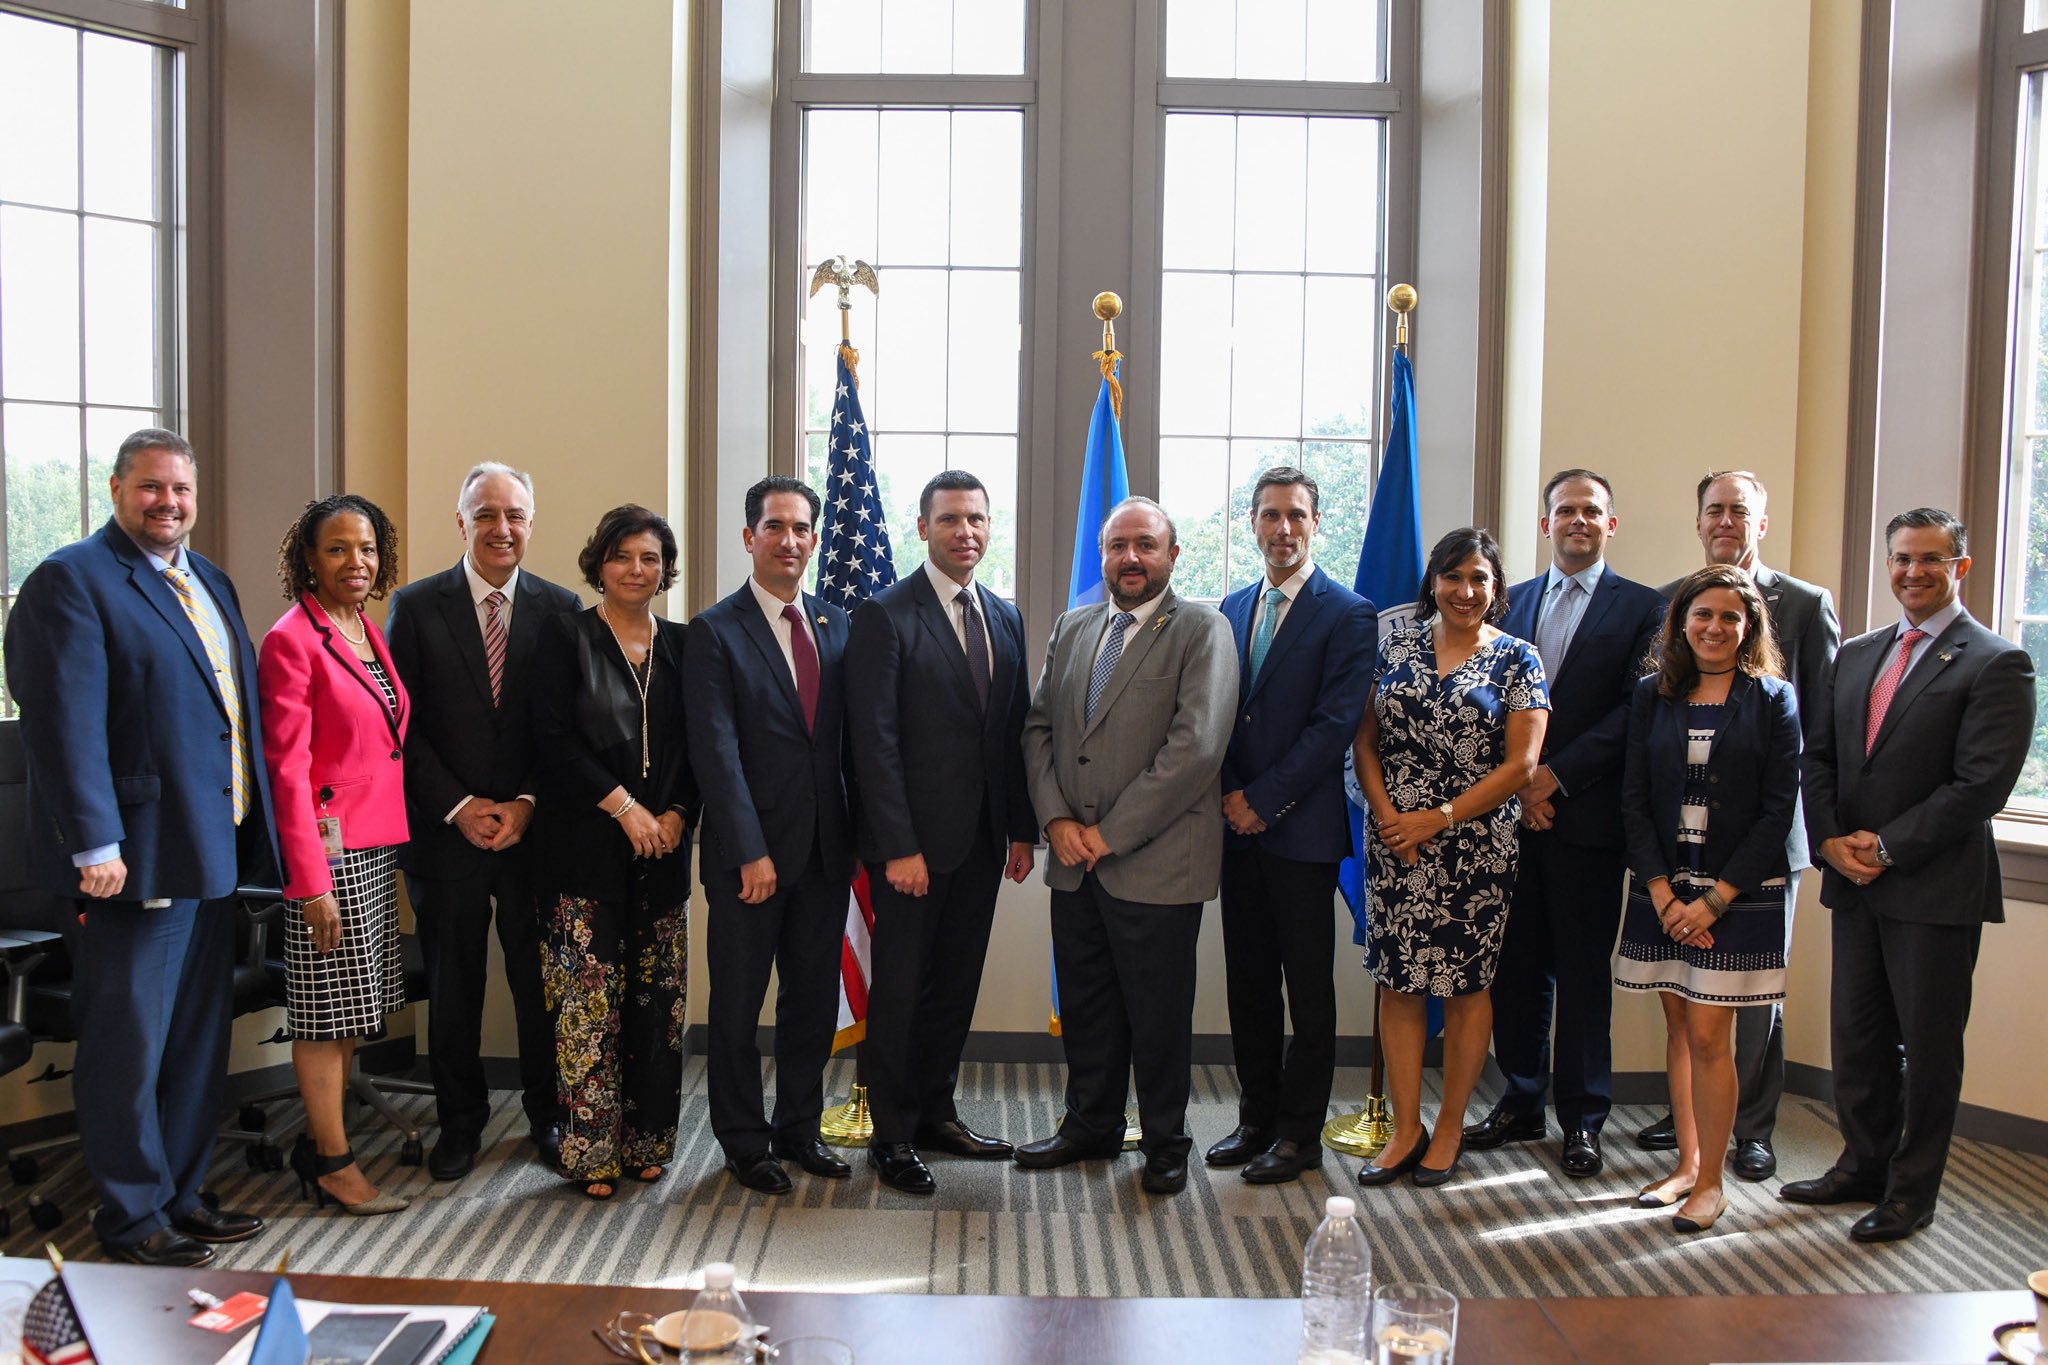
(766, 717)
(1923, 729)
(936, 695)
(1305, 652)
(1593, 629)
(148, 804)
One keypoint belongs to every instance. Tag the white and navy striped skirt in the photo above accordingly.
(347, 993)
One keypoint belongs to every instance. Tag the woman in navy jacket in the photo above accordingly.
(1708, 790)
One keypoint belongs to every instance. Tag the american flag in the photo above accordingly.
(50, 1331)
(854, 565)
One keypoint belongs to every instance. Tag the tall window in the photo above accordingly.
(90, 252)
(2024, 570)
(926, 183)
(1273, 250)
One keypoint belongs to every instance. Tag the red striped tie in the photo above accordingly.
(494, 643)
(1881, 694)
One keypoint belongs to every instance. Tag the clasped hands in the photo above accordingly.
(493, 825)
(1688, 922)
(1406, 832)
(909, 876)
(1854, 856)
(652, 836)
(1076, 844)
(1539, 808)
(1238, 811)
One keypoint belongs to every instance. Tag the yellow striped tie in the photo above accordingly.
(224, 675)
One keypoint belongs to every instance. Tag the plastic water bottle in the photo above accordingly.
(1336, 1288)
(718, 1327)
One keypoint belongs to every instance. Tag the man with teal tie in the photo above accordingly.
(1305, 652)
(148, 804)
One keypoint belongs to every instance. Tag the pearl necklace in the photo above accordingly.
(357, 640)
(640, 683)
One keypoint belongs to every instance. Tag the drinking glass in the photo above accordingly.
(1413, 1324)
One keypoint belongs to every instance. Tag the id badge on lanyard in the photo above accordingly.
(330, 830)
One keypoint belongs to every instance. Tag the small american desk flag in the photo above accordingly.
(853, 565)
(50, 1331)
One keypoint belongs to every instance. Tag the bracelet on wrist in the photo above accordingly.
(624, 806)
(1715, 902)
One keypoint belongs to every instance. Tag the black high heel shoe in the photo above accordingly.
(1428, 1177)
(1373, 1174)
(309, 1166)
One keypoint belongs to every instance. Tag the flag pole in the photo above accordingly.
(1367, 1132)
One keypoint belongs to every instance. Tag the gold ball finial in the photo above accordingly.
(1108, 306)
(1402, 298)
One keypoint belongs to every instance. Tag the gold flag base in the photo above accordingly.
(1362, 1134)
(848, 1124)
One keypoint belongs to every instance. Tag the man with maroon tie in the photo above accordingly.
(1923, 728)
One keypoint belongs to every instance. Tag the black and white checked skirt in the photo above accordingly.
(347, 993)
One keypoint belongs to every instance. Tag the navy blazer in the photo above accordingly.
(1296, 722)
(126, 732)
(931, 764)
(770, 788)
(1589, 697)
(1752, 773)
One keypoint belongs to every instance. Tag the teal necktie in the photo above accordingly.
(1269, 622)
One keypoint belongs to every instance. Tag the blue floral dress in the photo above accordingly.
(1435, 928)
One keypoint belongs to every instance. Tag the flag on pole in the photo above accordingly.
(1390, 565)
(1104, 483)
(853, 565)
(51, 1333)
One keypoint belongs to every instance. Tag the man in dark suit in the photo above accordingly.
(1123, 746)
(766, 717)
(1923, 728)
(1732, 517)
(936, 694)
(148, 804)
(463, 641)
(1592, 628)
(1305, 651)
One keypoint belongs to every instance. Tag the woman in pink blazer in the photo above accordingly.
(334, 716)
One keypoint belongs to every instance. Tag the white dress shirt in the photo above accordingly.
(771, 607)
(480, 588)
(1290, 589)
(1141, 613)
(949, 593)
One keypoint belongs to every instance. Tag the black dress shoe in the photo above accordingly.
(1754, 1159)
(1244, 1143)
(900, 1167)
(759, 1171)
(1582, 1154)
(1371, 1173)
(165, 1246)
(1836, 1187)
(1661, 1136)
(1165, 1173)
(1285, 1160)
(1891, 1221)
(1059, 1150)
(547, 1140)
(956, 1139)
(1429, 1177)
(208, 1224)
(814, 1156)
(453, 1157)
(1502, 1127)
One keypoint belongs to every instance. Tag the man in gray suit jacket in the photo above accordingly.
(1920, 735)
(1123, 746)
(1732, 515)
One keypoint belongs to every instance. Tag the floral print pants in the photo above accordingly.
(614, 975)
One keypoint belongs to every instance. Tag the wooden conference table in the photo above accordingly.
(138, 1314)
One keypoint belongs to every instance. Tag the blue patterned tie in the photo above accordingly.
(1106, 663)
(1268, 623)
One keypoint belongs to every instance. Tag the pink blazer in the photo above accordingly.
(330, 743)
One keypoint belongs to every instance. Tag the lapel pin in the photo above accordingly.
(821, 618)
(1946, 657)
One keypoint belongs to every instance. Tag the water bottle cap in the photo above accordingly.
(718, 1275)
(1340, 1206)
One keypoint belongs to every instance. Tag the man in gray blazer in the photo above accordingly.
(1123, 746)
(1732, 515)
(1921, 733)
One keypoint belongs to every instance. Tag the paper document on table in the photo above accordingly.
(458, 1325)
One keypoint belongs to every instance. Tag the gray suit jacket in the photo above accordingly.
(1145, 769)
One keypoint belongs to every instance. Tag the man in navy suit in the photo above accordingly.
(767, 720)
(1592, 628)
(1305, 652)
(148, 804)
(936, 696)
(463, 641)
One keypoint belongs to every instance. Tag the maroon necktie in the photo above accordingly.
(805, 655)
(1881, 694)
(494, 643)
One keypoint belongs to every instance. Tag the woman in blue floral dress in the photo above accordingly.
(1453, 732)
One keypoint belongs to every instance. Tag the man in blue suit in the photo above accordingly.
(147, 805)
(1593, 629)
(766, 718)
(1305, 652)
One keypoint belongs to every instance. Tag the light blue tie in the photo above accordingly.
(1268, 623)
(1106, 663)
(1553, 634)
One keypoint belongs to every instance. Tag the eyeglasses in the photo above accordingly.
(630, 1335)
(1901, 563)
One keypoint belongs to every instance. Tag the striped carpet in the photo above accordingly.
(1510, 1223)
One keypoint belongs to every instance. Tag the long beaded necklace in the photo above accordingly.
(640, 682)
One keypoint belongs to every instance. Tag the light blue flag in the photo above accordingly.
(281, 1340)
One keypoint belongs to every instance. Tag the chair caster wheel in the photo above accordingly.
(25, 1170)
(252, 1118)
(210, 1199)
(43, 1213)
(412, 1153)
(270, 1158)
